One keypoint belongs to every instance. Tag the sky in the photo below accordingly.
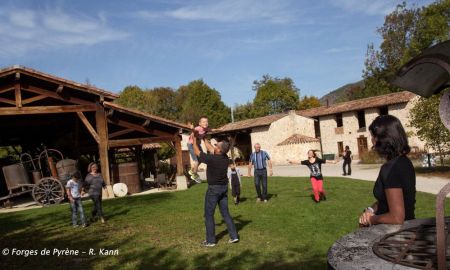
(111, 44)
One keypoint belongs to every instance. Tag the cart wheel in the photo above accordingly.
(48, 191)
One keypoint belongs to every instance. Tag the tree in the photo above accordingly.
(425, 118)
(405, 33)
(197, 99)
(308, 103)
(274, 95)
(244, 111)
(133, 97)
(165, 104)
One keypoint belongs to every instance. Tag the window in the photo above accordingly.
(384, 110)
(317, 128)
(340, 148)
(361, 119)
(339, 120)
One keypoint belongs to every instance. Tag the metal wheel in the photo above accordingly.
(48, 191)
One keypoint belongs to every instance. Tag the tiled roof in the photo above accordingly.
(251, 123)
(360, 104)
(298, 138)
(45, 76)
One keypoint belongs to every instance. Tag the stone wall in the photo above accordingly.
(351, 131)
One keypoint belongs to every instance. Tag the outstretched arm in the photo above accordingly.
(293, 161)
(196, 148)
(331, 161)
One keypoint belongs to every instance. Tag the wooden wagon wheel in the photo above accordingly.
(48, 191)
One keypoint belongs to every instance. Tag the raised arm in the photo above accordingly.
(293, 161)
(209, 146)
(196, 148)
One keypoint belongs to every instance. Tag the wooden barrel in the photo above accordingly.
(129, 175)
(15, 175)
(65, 168)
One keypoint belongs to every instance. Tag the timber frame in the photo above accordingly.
(37, 108)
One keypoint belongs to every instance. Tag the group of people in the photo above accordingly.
(75, 189)
(394, 188)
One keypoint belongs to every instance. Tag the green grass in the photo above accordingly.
(164, 230)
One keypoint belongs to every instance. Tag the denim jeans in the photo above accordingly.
(76, 206)
(261, 178)
(217, 195)
(347, 162)
(97, 200)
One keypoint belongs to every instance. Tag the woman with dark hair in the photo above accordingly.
(315, 166)
(95, 182)
(395, 188)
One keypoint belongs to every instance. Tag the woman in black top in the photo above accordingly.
(315, 167)
(395, 188)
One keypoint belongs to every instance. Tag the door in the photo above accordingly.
(340, 148)
(362, 145)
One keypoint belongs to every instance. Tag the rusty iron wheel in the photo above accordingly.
(48, 191)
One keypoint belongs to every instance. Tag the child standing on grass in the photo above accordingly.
(315, 166)
(200, 132)
(73, 189)
(234, 176)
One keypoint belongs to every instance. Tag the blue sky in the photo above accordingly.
(320, 44)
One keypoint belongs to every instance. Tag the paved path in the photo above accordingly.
(364, 172)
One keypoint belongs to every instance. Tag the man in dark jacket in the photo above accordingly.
(217, 193)
(347, 155)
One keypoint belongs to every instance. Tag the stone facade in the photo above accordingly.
(269, 137)
(350, 133)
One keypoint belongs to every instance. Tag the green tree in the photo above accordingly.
(405, 33)
(165, 104)
(244, 111)
(274, 95)
(135, 98)
(308, 103)
(424, 116)
(197, 99)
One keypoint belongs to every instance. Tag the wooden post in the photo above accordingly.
(102, 131)
(18, 95)
(179, 156)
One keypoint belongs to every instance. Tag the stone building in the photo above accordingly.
(327, 129)
(347, 123)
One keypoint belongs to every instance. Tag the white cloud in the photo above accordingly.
(228, 11)
(369, 7)
(26, 31)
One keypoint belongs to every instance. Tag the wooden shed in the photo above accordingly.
(41, 109)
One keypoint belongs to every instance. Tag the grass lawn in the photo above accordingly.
(164, 230)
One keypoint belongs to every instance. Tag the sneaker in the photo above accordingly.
(102, 220)
(76, 225)
(206, 244)
(258, 199)
(344, 174)
(84, 225)
(191, 172)
(323, 197)
(265, 200)
(196, 178)
(232, 241)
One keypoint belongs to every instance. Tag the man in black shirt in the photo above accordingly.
(217, 193)
(347, 155)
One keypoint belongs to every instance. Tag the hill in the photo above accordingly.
(341, 93)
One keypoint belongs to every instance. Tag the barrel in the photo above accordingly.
(129, 175)
(65, 168)
(15, 175)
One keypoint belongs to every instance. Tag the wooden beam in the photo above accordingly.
(7, 101)
(18, 94)
(17, 77)
(139, 141)
(102, 131)
(120, 132)
(88, 126)
(146, 123)
(54, 95)
(4, 90)
(60, 89)
(179, 156)
(33, 99)
(46, 109)
(140, 128)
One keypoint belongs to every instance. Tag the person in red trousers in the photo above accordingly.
(315, 166)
